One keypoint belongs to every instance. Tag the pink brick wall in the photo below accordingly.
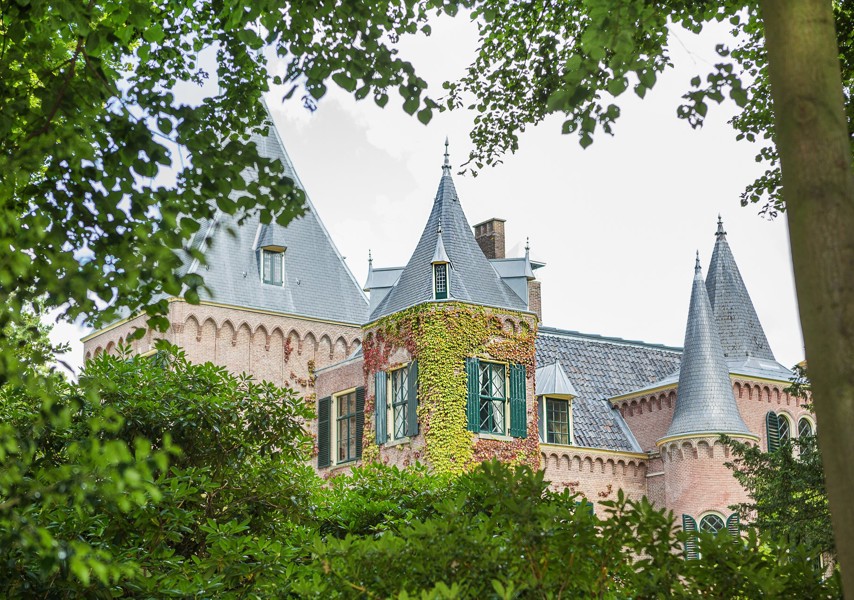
(649, 415)
(595, 474)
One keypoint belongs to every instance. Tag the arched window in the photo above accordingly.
(804, 427)
(712, 523)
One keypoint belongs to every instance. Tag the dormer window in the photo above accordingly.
(440, 281)
(273, 265)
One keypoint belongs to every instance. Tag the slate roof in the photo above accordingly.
(599, 368)
(704, 398)
(317, 284)
(737, 322)
(472, 278)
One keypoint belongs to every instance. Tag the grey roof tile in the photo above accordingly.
(601, 367)
(472, 278)
(737, 322)
(704, 398)
(318, 284)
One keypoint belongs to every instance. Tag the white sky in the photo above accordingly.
(617, 224)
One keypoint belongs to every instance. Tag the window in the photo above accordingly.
(340, 424)
(399, 401)
(712, 523)
(440, 277)
(273, 266)
(346, 424)
(397, 419)
(492, 397)
(497, 398)
(557, 421)
(804, 427)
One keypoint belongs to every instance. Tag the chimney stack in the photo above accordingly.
(490, 237)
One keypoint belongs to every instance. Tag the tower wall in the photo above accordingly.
(695, 478)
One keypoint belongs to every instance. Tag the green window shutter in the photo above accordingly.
(733, 525)
(541, 417)
(473, 397)
(381, 407)
(689, 525)
(324, 448)
(772, 427)
(412, 399)
(360, 419)
(518, 405)
(585, 504)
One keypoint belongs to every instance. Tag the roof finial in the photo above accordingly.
(697, 267)
(527, 245)
(439, 229)
(720, 230)
(370, 258)
(446, 167)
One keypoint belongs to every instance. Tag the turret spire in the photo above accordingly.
(704, 400)
(738, 324)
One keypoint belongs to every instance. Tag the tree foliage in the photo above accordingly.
(149, 476)
(576, 58)
(106, 170)
(787, 489)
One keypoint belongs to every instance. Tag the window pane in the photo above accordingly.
(785, 429)
(497, 416)
(484, 379)
(557, 421)
(351, 447)
(342, 441)
(498, 381)
(711, 524)
(804, 428)
(485, 415)
(399, 421)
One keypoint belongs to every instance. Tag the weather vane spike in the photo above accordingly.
(527, 243)
(720, 231)
(447, 165)
(370, 258)
(697, 263)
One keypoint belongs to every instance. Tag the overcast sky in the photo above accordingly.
(617, 224)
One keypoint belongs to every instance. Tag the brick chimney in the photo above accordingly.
(490, 237)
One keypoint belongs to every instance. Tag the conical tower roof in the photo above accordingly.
(317, 282)
(738, 324)
(472, 278)
(704, 400)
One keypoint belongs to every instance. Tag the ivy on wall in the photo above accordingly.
(440, 337)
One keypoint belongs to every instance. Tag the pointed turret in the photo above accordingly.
(738, 324)
(470, 277)
(704, 403)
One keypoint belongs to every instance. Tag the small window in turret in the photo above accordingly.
(440, 275)
(273, 266)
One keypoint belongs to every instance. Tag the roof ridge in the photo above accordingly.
(547, 330)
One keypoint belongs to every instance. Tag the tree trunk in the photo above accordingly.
(818, 187)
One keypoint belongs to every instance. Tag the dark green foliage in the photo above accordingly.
(788, 496)
(499, 532)
(150, 476)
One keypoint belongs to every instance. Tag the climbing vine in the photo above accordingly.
(441, 337)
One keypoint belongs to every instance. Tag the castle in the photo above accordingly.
(445, 360)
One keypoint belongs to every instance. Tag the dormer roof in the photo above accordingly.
(552, 381)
